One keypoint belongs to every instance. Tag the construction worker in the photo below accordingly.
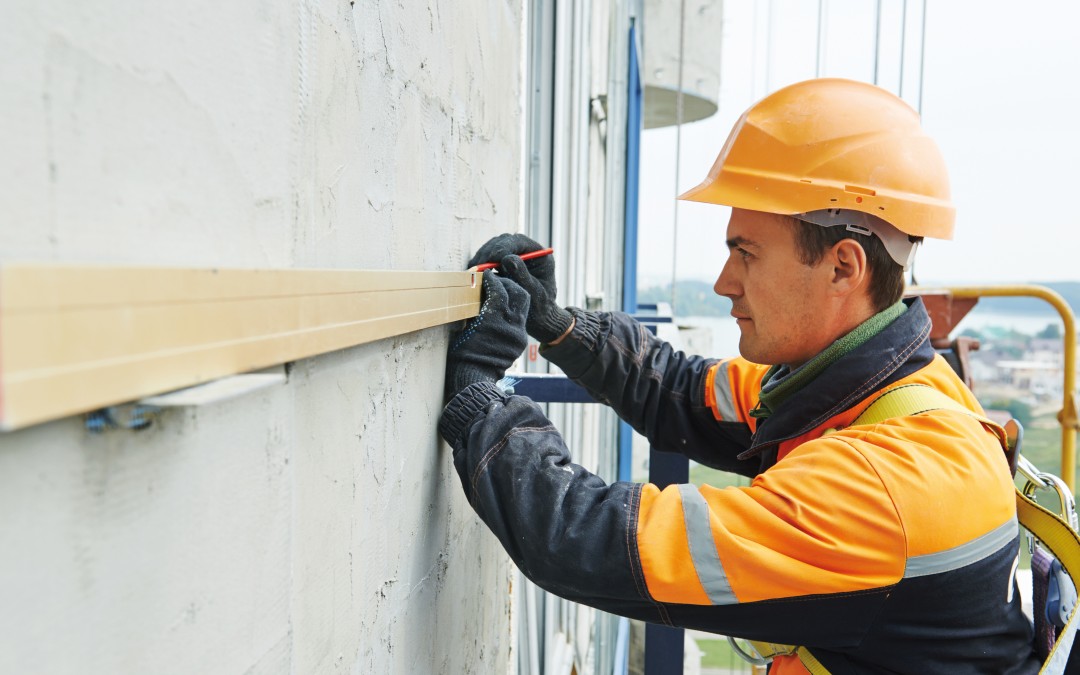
(884, 547)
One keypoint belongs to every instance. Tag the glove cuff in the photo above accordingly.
(551, 325)
(459, 413)
(460, 377)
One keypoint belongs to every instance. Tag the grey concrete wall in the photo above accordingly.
(315, 527)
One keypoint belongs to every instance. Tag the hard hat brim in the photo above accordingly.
(787, 195)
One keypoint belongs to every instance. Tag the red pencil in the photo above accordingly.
(524, 256)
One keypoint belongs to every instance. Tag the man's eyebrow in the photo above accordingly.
(735, 242)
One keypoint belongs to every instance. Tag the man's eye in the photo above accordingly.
(742, 252)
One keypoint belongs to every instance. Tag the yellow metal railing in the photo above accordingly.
(1068, 417)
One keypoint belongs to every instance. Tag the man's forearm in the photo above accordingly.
(656, 389)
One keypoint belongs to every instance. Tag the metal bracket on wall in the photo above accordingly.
(79, 338)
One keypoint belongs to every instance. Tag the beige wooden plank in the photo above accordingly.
(37, 288)
(57, 339)
(74, 339)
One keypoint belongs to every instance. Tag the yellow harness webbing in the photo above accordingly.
(1050, 528)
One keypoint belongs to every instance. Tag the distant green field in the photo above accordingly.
(718, 654)
(1042, 444)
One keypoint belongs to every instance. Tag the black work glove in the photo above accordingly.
(547, 321)
(489, 342)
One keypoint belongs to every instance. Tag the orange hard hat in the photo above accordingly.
(834, 144)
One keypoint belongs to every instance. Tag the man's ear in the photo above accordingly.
(849, 266)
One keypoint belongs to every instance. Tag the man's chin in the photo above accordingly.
(752, 353)
(746, 350)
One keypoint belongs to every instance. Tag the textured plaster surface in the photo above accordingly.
(315, 527)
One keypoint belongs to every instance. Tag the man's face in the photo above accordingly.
(781, 304)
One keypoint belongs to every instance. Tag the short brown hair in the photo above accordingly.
(886, 276)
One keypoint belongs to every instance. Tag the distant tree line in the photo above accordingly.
(692, 298)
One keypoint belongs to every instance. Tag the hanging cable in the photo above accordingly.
(903, 47)
(768, 48)
(922, 60)
(922, 56)
(820, 34)
(754, 49)
(678, 150)
(877, 41)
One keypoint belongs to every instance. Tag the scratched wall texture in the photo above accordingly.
(315, 527)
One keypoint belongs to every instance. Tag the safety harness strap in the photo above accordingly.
(1063, 542)
(914, 399)
(1052, 530)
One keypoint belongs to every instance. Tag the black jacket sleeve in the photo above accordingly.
(660, 392)
(577, 537)
(544, 509)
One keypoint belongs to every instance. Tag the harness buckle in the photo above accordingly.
(761, 653)
(753, 657)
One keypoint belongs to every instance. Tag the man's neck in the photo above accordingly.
(780, 382)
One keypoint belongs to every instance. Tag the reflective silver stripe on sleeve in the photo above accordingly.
(710, 571)
(725, 403)
(964, 554)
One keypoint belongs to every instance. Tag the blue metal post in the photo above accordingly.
(633, 170)
(634, 123)
(663, 644)
(663, 650)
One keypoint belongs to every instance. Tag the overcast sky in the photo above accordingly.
(999, 95)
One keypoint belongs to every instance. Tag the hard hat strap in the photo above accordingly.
(899, 245)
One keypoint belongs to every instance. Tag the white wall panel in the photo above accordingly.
(315, 527)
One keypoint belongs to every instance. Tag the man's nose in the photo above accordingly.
(725, 285)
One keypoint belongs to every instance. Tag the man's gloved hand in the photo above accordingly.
(491, 341)
(547, 321)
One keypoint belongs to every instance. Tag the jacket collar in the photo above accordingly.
(900, 349)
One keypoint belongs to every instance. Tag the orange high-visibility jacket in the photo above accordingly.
(883, 548)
